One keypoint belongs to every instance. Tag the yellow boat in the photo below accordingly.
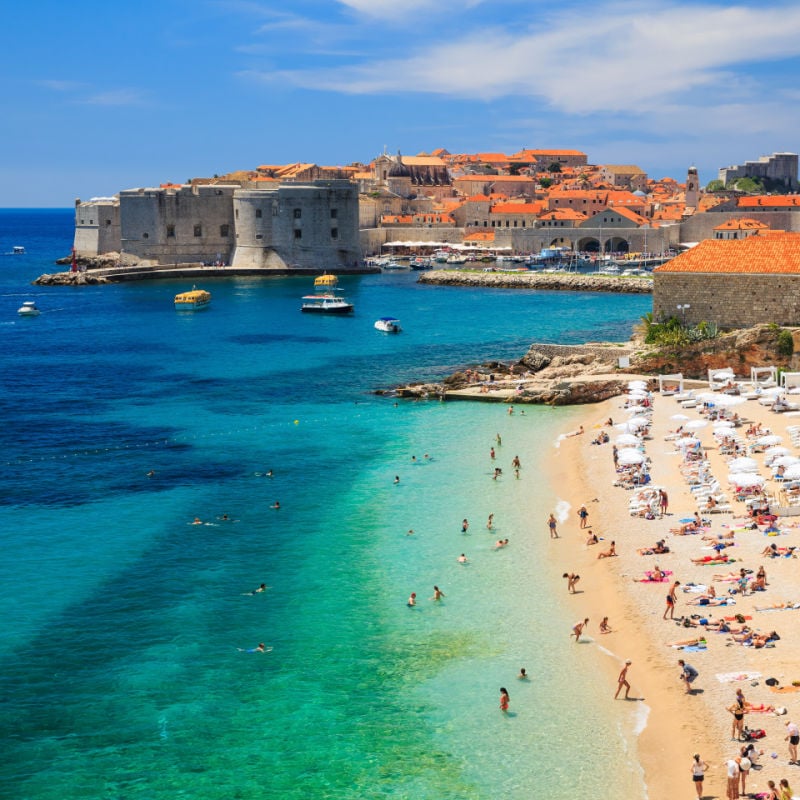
(192, 301)
(325, 282)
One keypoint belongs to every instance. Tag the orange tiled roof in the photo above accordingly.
(762, 254)
(743, 224)
(563, 213)
(779, 201)
(631, 215)
(478, 198)
(480, 236)
(509, 178)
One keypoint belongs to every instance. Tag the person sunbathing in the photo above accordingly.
(731, 577)
(592, 539)
(699, 640)
(610, 553)
(716, 559)
(707, 601)
(711, 503)
(658, 548)
(777, 605)
(717, 537)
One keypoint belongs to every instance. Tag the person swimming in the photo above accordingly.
(262, 648)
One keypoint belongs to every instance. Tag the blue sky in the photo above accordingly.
(103, 96)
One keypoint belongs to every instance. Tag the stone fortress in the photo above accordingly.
(308, 217)
(286, 226)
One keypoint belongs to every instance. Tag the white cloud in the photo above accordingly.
(405, 9)
(623, 58)
(61, 86)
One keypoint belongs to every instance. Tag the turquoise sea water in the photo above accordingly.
(121, 673)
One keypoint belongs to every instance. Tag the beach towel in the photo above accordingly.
(695, 648)
(732, 677)
(737, 618)
(649, 577)
(784, 689)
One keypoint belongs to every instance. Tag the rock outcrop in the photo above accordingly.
(566, 281)
(69, 279)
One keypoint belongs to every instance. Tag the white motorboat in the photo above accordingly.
(388, 325)
(28, 309)
(326, 304)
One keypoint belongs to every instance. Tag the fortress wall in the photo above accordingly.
(97, 227)
(701, 226)
(730, 301)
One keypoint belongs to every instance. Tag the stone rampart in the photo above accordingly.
(572, 282)
(730, 301)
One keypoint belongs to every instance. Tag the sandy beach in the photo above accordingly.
(681, 724)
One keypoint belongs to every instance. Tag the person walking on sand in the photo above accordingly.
(663, 502)
(688, 675)
(745, 765)
(552, 523)
(793, 737)
(699, 768)
(584, 515)
(622, 680)
(672, 599)
(504, 699)
(572, 580)
(577, 629)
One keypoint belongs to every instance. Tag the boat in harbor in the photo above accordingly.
(388, 325)
(28, 309)
(325, 282)
(420, 263)
(193, 300)
(456, 259)
(326, 304)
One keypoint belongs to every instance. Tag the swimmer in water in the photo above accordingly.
(151, 473)
(276, 505)
(262, 648)
(462, 559)
(523, 675)
(504, 699)
(410, 532)
(396, 479)
(269, 473)
(438, 594)
(464, 525)
(225, 518)
(197, 521)
(412, 600)
(490, 522)
(262, 588)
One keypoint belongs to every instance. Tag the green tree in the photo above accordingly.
(715, 186)
(554, 167)
(545, 183)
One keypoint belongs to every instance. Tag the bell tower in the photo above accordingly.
(692, 188)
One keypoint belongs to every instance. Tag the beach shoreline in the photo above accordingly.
(679, 725)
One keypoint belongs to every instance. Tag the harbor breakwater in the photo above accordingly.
(567, 281)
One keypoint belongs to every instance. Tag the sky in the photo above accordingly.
(104, 96)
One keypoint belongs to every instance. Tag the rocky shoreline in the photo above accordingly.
(578, 374)
(566, 281)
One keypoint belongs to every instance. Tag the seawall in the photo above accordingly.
(569, 282)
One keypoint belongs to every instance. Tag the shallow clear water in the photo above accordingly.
(121, 673)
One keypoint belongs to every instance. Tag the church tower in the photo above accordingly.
(692, 188)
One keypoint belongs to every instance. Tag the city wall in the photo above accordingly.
(730, 301)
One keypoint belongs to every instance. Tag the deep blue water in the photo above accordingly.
(121, 675)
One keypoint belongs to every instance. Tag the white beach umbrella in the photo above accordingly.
(769, 440)
(746, 479)
(742, 464)
(637, 384)
(695, 424)
(723, 423)
(679, 417)
(792, 472)
(776, 450)
(638, 422)
(785, 461)
(687, 441)
(629, 456)
(627, 440)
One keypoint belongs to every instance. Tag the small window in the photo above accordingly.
(198, 230)
(82, 222)
(298, 213)
(259, 236)
(298, 234)
(145, 236)
(224, 231)
(334, 233)
(108, 222)
(334, 213)
(236, 213)
(91, 222)
(258, 213)
(170, 231)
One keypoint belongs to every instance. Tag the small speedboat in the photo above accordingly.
(326, 304)
(193, 300)
(388, 325)
(28, 309)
